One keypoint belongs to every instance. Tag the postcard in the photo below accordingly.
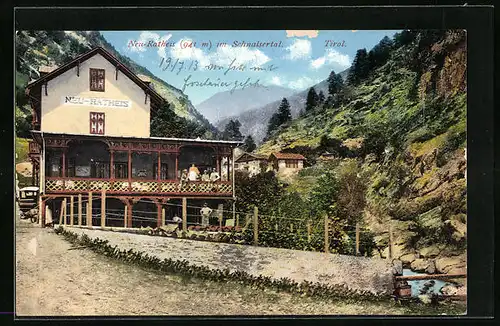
(241, 172)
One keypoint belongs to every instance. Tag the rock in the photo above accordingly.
(445, 264)
(449, 289)
(407, 259)
(429, 252)
(420, 265)
(397, 251)
(429, 283)
(431, 269)
(397, 267)
(425, 298)
(431, 219)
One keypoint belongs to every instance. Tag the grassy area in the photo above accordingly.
(22, 150)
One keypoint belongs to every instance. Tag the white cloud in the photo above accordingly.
(189, 53)
(224, 56)
(331, 57)
(243, 55)
(147, 36)
(299, 49)
(303, 83)
(276, 81)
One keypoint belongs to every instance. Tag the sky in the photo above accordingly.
(203, 63)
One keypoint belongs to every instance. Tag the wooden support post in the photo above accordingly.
(390, 240)
(80, 209)
(163, 217)
(71, 204)
(89, 211)
(255, 225)
(184, 214)
(357, 239)
(103, 207)
(129, 214)
(327, 244)
(237, 222)
(159, 219)
(309, 231)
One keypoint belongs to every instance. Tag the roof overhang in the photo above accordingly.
(39, 135)
(98, 50)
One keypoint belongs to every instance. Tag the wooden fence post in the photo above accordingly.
(237, 222)
(80, 209)
(390, 240)
(103, 207)
(255, 225)
(65, 214)
(357, 238)
(309, 231)
(61, 222)
(219, 211)
(125, 212)
(89, 211)
(163, 216)
(327, 245)
(71, 204)
(184, 214)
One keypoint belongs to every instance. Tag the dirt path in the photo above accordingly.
(52, 280)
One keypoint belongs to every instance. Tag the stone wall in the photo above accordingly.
(374, 275)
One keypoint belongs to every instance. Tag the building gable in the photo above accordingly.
(95, 85)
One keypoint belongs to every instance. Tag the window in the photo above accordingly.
(121, 170)
(97, 80)
(97, 123)
(294, 164)
(99, 170)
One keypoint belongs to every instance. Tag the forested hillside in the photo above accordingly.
(393, 137)
(55, 48)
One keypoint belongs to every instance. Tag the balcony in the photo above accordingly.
(34, 149)
(133, 187)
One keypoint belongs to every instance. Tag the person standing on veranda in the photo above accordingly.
(194, 173)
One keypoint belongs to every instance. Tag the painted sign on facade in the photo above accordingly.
(96, 101)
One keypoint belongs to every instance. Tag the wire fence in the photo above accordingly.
(260, 229)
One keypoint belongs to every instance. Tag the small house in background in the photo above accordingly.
(251, 163)
(286, 163)
(326, 156)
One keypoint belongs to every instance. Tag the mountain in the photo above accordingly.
(399, 133)
(55, 48)
(254, 121)
(229, 103)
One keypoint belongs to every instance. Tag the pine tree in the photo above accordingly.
(279, 118)
(321, 97)
(249, 144)
(284, 113)
(232, 130)
(380, 52)
(335, 83)
(312, 99)
(360, 67)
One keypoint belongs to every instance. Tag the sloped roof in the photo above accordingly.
(98, 50)
(288, 156)
(250, 157)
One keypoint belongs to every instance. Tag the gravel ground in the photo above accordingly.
(358, 273)
(52, 280)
